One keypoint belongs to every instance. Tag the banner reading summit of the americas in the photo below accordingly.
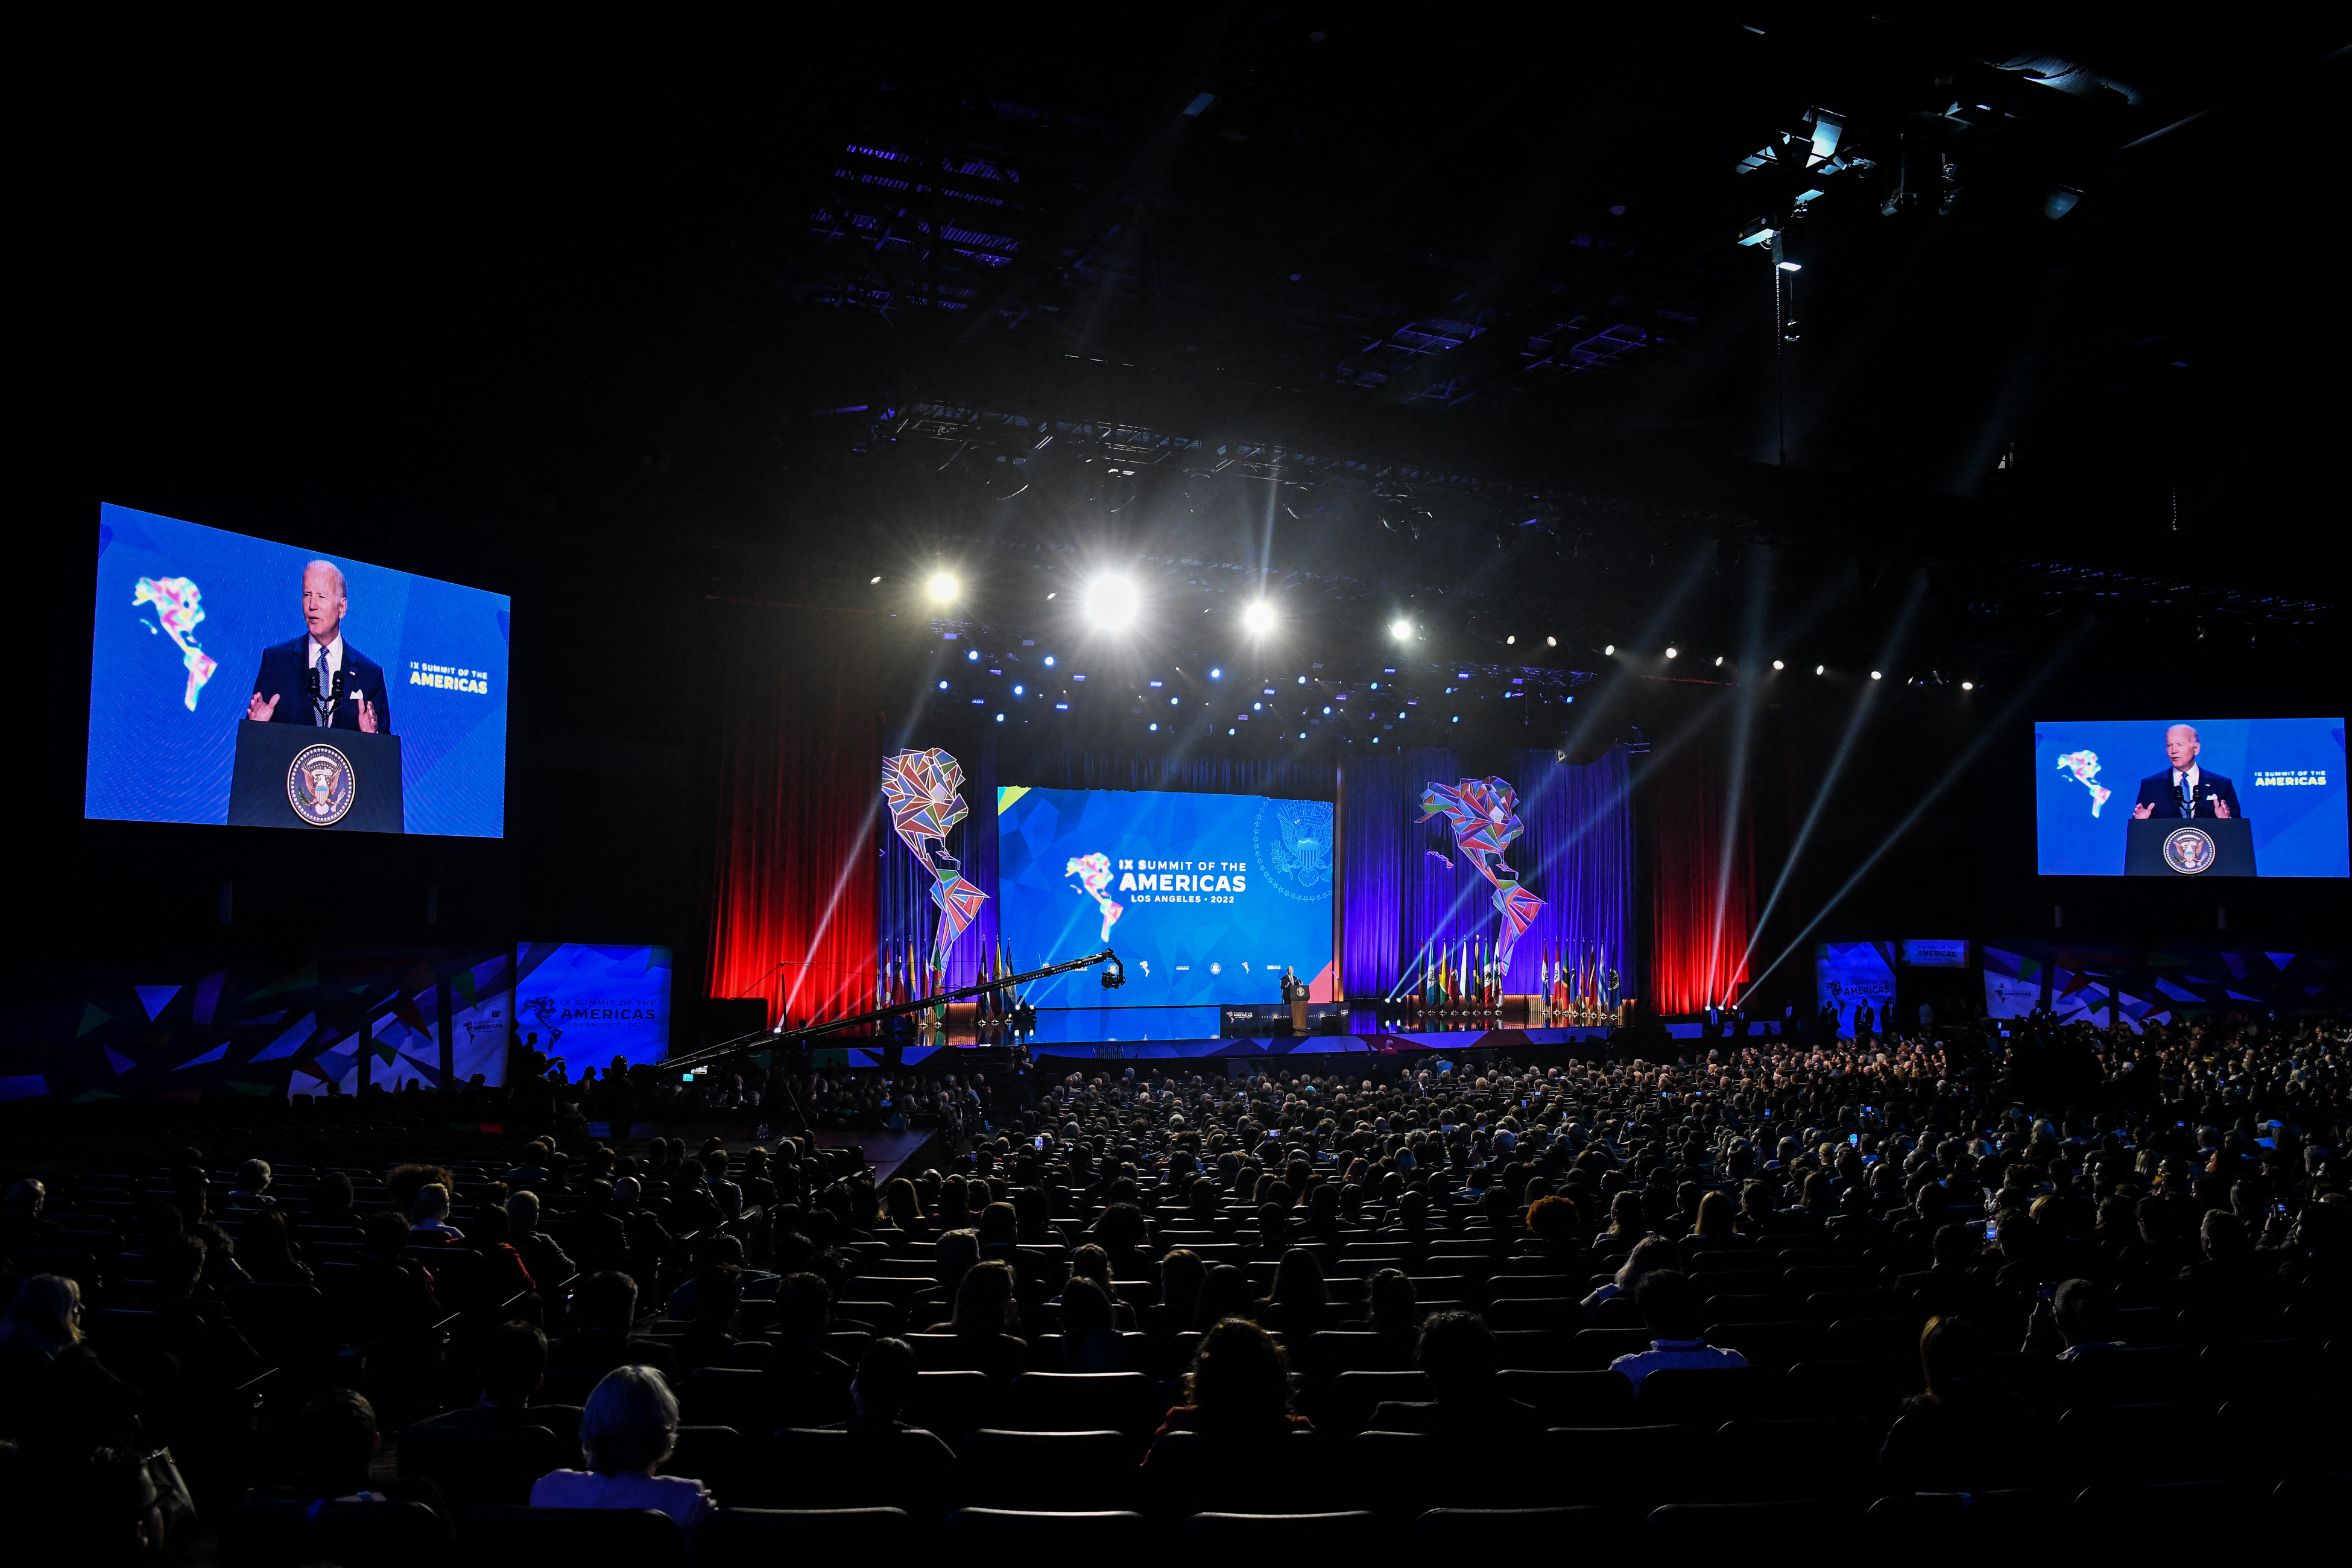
(1206, 897)
(193, 623)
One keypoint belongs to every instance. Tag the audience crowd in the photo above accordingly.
(1846, 1277)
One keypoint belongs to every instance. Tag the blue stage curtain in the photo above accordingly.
(1408, 895)
(1373, 843)
(1579, 856)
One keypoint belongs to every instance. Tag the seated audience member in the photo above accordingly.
(1225, 1293)
(549, 1264)
(1458, 1355)
(987, 1320)
(1239, 1387)
(1649, 1255)
(251, 1189)
(603, 1314)
(504, 1275)
(1392, 1311)
(1714, 1226)
(57, 1400)
(428, 1216)
(21, 1221)
(628, 1428)
(879, 1393)
(1966, 1432)
(2071, 1321)
(759, 1285)
(596, 1236)
(1671, 1310)
(1181, 1277)
(1555, 1231)
(1090, 1339)
(1298, 1302)
(514, 1366)
(330, 1202)
(1091, 1262)
(710, 1336)
(335, 1444)
(267, 1250)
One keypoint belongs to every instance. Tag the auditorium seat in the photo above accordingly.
(814, 1469)
(1697, 1527)
(994, 1531)
(1330, 1352)
(712, 1455)
(1571, 1398)
(289, 1533)
(954, 1402)
(1549, 1314)
(1190, 1472)
(1760, 1460)
(1773, 1344)
(2123, 1444)
(1124, 1402)
(1630, 1468)
(2158, 1375)
(473, 1468)
(502, 1537)
(2287, 1434)
(762, 1537)
(1319, 1533)
(1706, 1397)
(1352, 1396)
(1531, 1350)
(1596, 1348)
(1485, 1534)
(1870, 1390)
(1040, 1470)
(731, 1396)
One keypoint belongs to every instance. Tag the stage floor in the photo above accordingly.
(861, 1056)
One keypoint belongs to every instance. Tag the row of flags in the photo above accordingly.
(1469, 974)
(904, 976)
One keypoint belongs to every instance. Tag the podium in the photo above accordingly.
(297, 775)
(2190, 846)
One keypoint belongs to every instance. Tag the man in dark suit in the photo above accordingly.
(2185, 789)
(297, 683)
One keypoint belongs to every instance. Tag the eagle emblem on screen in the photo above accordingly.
(321, 785)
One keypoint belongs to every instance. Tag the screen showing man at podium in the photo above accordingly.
(2208, 797)
(359, 697)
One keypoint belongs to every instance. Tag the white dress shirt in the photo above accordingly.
(2194, 777)
(327, 660)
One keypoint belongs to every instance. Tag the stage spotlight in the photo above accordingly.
(1719, 661)
(1792, 267)
(1552, 642)
(1017, 692)
(1399, 629)
(1155, 726)
(1112, 603)
(1821, 669)
(875, 580)
(1510, 640)
(1778, 665)
(973, 655)
(1229, 731)
(1610, 651)
(1674, 653)
(1173, 700)
(943, 587)
(1258, 620)
(1215, 674)
(1000, 717)
(1327, 708)
(1302, 680)
(943, 686)
(1967, 686)
(1049, 661)
(1875, 675)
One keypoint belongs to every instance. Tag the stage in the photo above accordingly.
(862, 1057)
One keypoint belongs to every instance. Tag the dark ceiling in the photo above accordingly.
(1435, 305)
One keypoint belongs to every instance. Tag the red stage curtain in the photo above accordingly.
(799, 801)
(1694, 958)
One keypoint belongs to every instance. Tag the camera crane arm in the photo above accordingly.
(1114, 978)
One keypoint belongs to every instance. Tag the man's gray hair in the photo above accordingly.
(631, 1421)
(343, 590)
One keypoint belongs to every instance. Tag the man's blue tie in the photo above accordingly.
(2187, 798)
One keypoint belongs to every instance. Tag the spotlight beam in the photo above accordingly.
(1743, 725)
(1959, 770)
(1854, 724)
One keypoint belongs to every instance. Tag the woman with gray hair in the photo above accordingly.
(628, 1428)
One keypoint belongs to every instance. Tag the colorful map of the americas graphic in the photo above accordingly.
(2085, 766)
(179, 605)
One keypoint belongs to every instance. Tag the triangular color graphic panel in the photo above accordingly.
(216, 1054)
(92, 1016)
(155, 998)
(117, 1061)
(286, 1043)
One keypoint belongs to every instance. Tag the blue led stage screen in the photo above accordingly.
(585, 1003)
(2283, 776)
(194, 624)
(1206, 897)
